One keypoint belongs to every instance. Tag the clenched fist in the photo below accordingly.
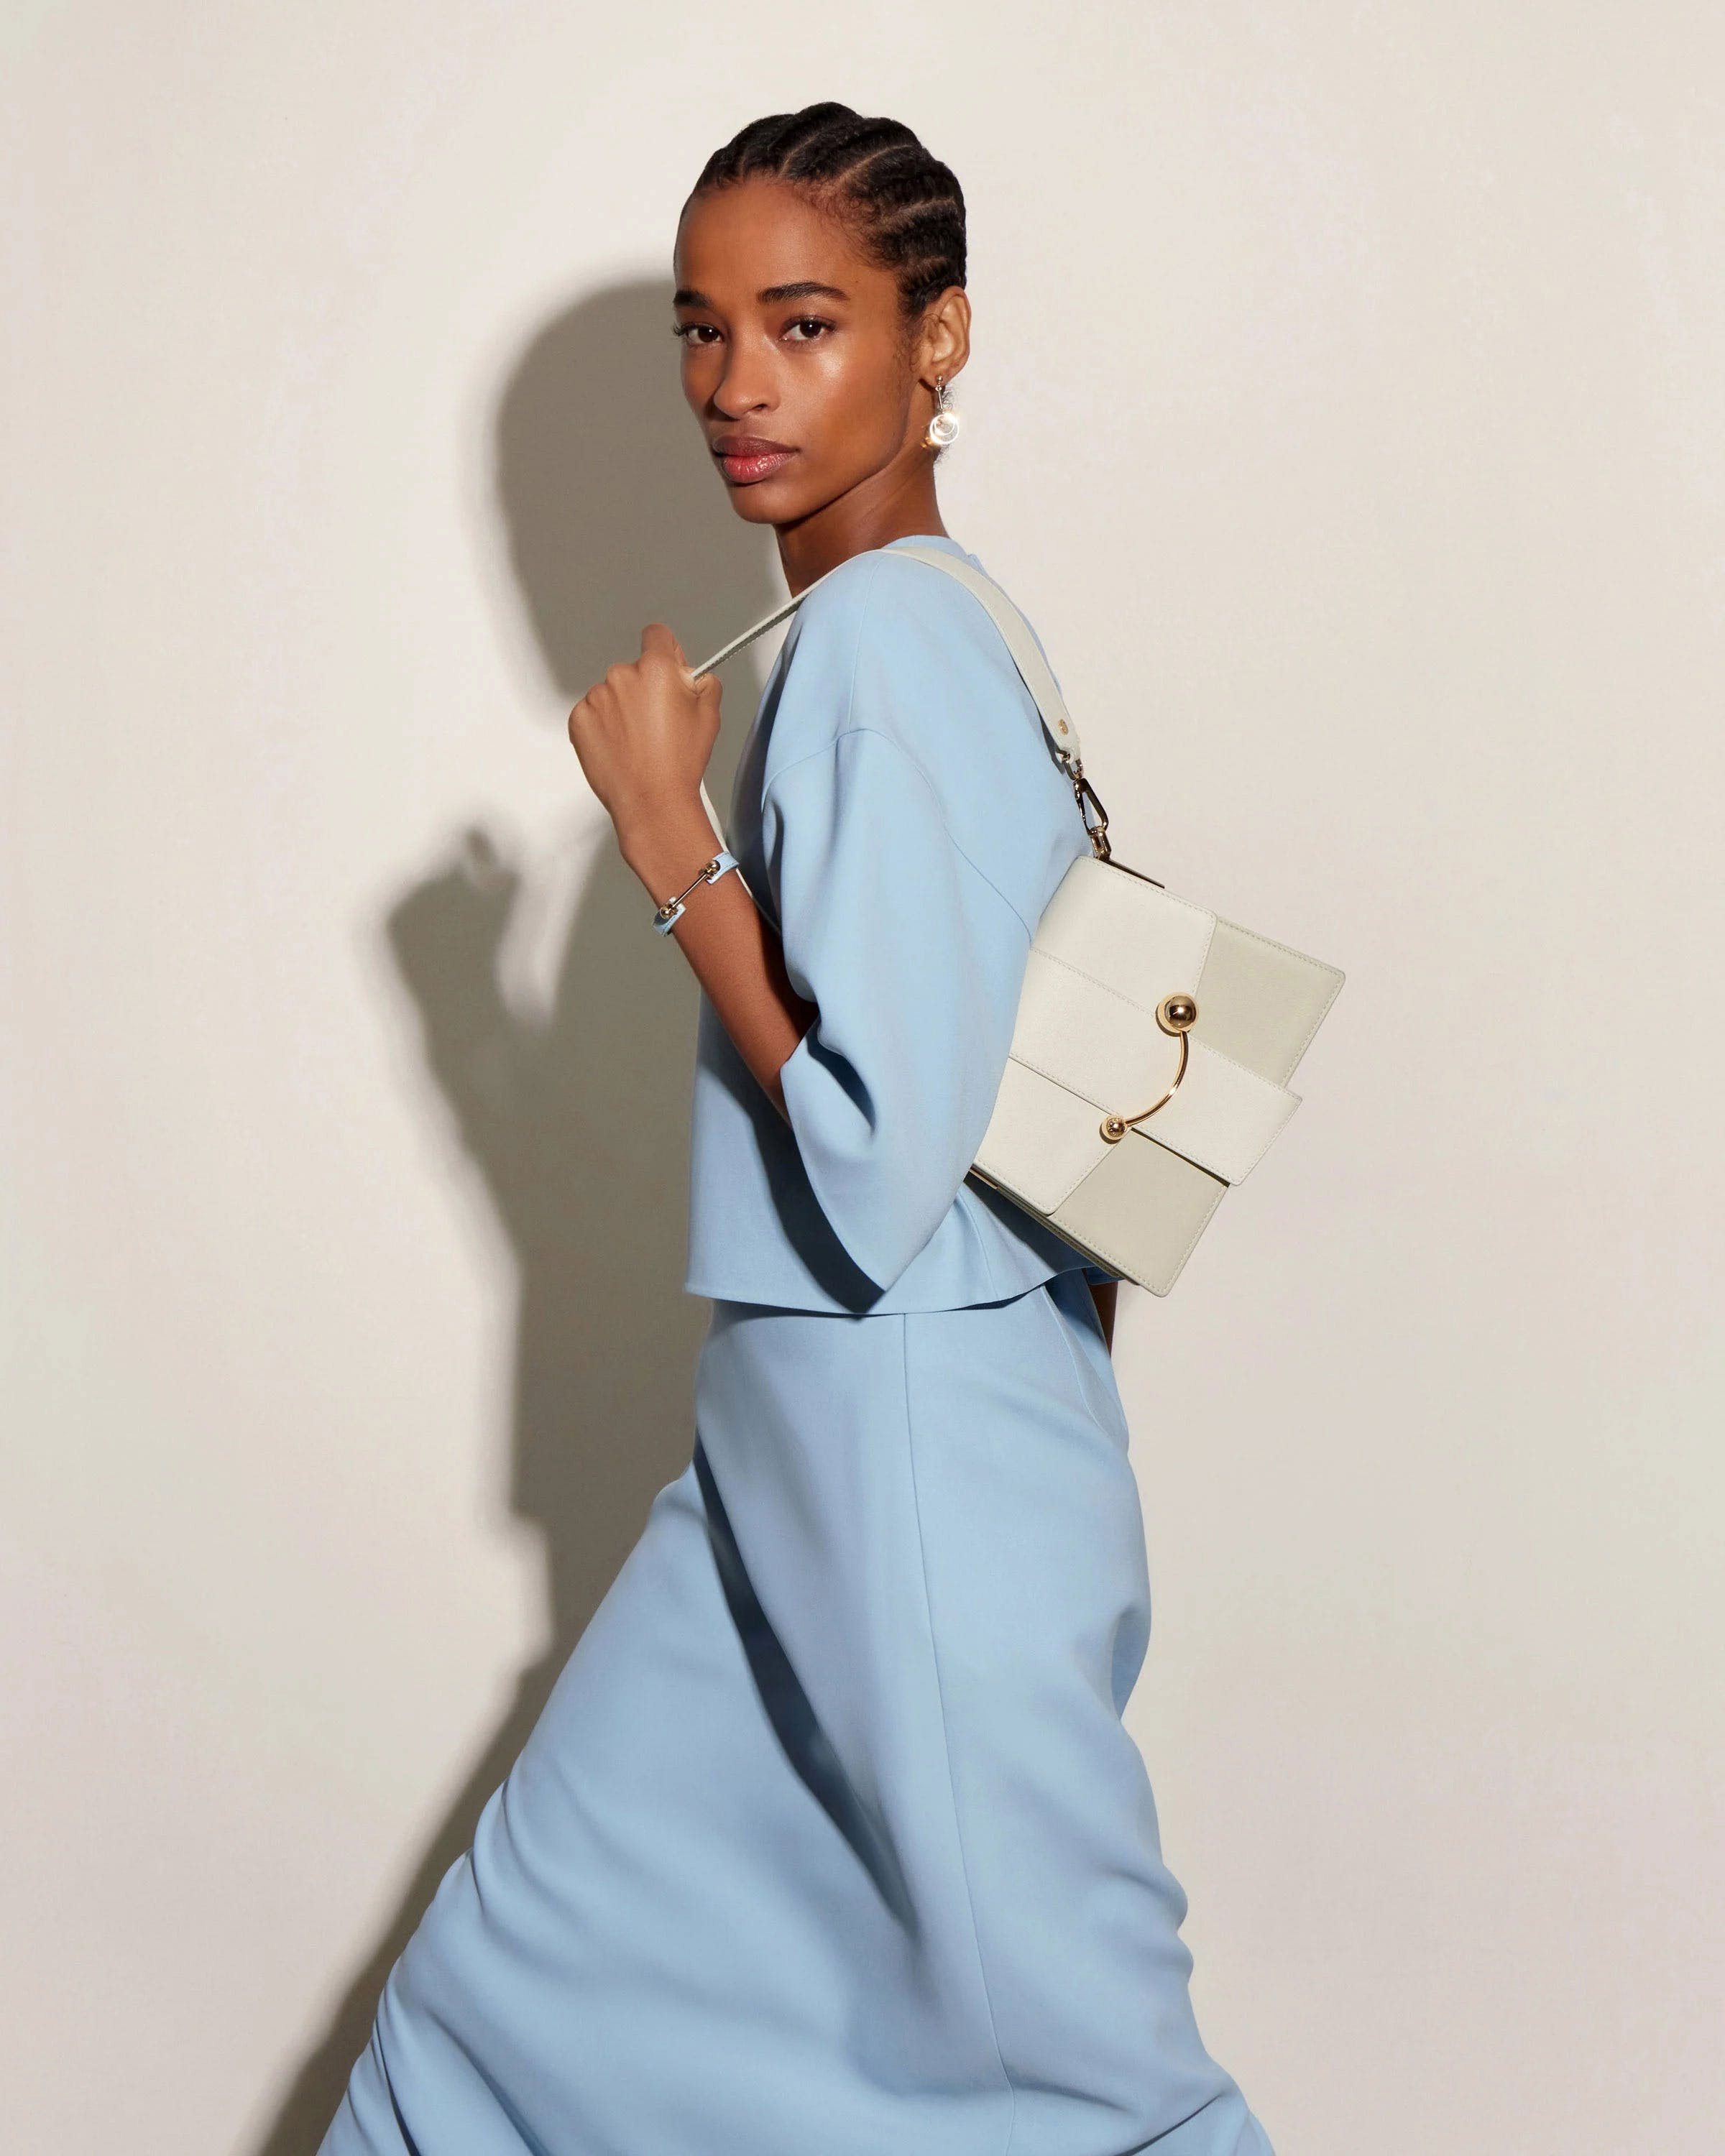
(644, 735)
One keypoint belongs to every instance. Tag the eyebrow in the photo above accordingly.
(808, 289)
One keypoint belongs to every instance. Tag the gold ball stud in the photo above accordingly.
(1177, 1013)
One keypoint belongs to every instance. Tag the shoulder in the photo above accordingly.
(888, 644)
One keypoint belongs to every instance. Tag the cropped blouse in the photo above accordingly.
(900, 818)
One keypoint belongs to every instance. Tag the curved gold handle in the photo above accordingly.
(1176, 1015)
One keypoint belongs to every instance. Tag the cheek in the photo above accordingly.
(857, 403)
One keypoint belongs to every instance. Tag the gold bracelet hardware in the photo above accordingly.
(665, 916)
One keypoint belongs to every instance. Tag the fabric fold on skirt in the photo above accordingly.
(830, 1836)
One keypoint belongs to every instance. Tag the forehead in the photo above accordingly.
(742, 240)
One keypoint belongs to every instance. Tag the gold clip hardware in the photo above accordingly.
(1087, 798)
(1176, 1015)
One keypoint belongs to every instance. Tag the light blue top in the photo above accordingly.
(898, 815)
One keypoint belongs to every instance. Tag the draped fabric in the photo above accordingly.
(831, 1836)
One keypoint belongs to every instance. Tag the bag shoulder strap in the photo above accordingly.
(1027, 655)
(1038, 675)
(1015, 632)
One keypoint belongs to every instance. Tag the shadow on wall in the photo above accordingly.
(576, 1121)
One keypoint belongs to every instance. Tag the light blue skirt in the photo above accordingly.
(830, 1840)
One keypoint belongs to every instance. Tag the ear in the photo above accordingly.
(942, 341)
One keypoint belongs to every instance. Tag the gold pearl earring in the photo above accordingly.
(943, 427)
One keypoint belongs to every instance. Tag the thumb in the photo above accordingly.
(668, 641)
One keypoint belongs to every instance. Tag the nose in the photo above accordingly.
(742, 386)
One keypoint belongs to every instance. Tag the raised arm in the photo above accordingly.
(645, 735)
(922, 956)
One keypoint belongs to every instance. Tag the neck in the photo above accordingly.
(893, 504)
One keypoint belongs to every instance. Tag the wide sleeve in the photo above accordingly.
(915, 962)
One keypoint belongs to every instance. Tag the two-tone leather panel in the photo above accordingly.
(1110, 1053)
(1223, 1117)
(1041, 1139)
(1126, 932)
(1142, 1209)
(1260, 1002)
(1086, 1037)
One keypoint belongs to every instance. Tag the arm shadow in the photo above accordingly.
(575, 1120)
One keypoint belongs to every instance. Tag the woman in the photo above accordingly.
(830, 1840)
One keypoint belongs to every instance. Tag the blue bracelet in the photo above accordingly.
(671, 912)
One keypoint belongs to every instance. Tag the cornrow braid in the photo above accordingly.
(906, 206)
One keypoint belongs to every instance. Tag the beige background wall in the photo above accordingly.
(1348, 411)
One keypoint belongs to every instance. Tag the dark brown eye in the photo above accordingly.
(812, 325)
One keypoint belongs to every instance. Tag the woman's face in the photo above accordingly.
(797, 360)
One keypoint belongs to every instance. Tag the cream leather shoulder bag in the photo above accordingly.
(1150, 1061)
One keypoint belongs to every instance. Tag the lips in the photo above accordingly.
(746, 459)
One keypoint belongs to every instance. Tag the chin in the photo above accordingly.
(767, 504)
(772, 501)
(751, 504)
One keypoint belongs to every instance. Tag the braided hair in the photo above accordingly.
(905, 208)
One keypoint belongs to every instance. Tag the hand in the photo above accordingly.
(644, 735)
